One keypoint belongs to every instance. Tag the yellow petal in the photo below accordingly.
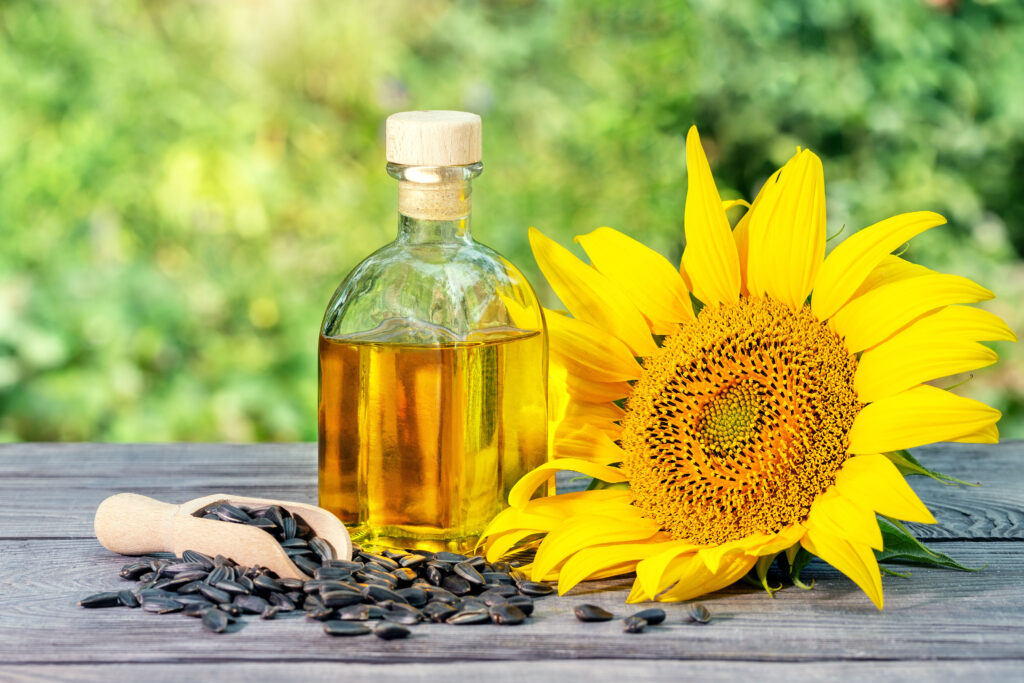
(741, 233)
(850, 262)
(586, 389)
(890, 269)
(776, 543)
(525, 487)
(710, 259)
(874, 482)
(588, 443)
(571, 423)
(590, 352)
(595, 561)
(590, 296)
(787, 233)
(593, 412)
(497, 547)
(653, 573)
(699, 581)
(714, 556)
(610, 501)
(856, 560)
(585, 531)
(871, 318)
(733, 203)
(643, 275)
(958, 323)
(987, 434)
(916, 417)
(843, 517)
(892, 367)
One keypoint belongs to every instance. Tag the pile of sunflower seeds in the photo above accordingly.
(394, 589)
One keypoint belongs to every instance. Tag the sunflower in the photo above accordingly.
(764, 422)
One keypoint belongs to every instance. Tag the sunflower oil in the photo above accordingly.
(420, 444)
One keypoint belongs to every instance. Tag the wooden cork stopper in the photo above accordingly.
(433, 138)
(433, 142)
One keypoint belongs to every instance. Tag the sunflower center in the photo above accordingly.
(739, 422)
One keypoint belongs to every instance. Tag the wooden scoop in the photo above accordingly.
(130, 524)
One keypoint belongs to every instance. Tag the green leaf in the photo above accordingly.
(900, 547)
(762, 567)
(907, 464)
(596, 484)
(797, 558)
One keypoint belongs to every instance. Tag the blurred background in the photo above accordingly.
(184, 184)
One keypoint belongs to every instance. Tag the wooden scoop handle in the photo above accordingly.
(130, 524)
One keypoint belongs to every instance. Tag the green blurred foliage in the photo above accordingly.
(183, 184)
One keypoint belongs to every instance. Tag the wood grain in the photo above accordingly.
(52, 490)
(938, 624)
(596, 671)
(933, 615)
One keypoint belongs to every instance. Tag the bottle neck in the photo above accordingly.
(422, 231)
(434, 202)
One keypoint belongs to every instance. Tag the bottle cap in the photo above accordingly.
(433, 138)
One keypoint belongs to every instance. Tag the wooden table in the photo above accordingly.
(940, 624)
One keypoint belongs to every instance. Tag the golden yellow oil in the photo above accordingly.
(420, 444)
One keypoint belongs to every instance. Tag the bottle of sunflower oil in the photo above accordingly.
(433, 360)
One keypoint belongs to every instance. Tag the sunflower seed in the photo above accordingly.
(456, 584)
(128, 599)
(634, 624)
(469, 573)
(321, 548)
(383, 561)
(507, 615)
(401, 617)
(411, 561)
(438, 611)
(524, 604)
(388, 631)
(251, 604)
(497, 578)
(320, 613)
(592, 613)
(107, 599)
(134, 570)
(404, 575)
(214, 594)
(289, 527)
(162, 605)
(231, 609)
(340, 598)
(269, 584)
(270, 612)
(193, 599)
(533, 588)
(196, 557)
(446, 556)
(215, 620)
(699, 614)
(354, 613)
(305, 565)
(414, 596)
(653, 615)
(231, 513)
(465, 618)
(336, 627)
(196, 610)
(283, 602)
(232, 587)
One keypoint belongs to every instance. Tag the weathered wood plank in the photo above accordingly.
(52, 490)
(596, 671)
(934, 615)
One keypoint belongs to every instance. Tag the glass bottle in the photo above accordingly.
(432, 360)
